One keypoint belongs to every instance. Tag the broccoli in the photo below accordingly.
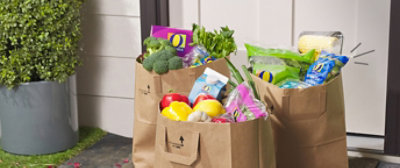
(160, 56)
(160, 66)
(170, 49)
(165, 54)
(148, 63)
(175, 63)
(164, 42)
(154, 45)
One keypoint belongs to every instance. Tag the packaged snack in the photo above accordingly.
(202, 61)
(330, 41)
(292, 83)
(275, 73)
(194, 57)
(326, 67)
(179, 38)
(243, 106)
(211, 83)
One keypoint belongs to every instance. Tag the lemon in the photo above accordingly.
(213, 108)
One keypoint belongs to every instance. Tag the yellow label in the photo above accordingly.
(318, 67)
(177, 40)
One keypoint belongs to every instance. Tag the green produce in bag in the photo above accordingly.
(280, 57)
(275, 73)
(280, 53)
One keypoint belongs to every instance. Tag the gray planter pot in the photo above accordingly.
(39, 117)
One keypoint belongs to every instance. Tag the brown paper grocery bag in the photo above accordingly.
(308, 124)
(206, 145)
(149, 90)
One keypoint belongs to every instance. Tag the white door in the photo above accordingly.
(278, 24)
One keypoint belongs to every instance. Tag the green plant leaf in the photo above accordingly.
(38, 40)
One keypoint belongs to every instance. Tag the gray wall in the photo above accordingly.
(111, 42)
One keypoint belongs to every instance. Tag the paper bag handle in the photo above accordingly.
(176, 158)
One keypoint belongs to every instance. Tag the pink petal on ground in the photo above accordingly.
(77, 165)
(126, 160)
(118, 165)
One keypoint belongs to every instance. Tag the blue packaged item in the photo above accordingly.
(325, 68)
(202, 61)
(293, 83)
(211, 83)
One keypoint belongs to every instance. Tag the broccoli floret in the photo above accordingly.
(146, 54)
(155, 55)
(148, 39)
(165, 54)
(175, 63)
(148, 63)
(160, 66)
(154, 45)
(170, 49)
(164, 42)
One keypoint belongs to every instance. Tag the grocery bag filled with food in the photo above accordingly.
(303, 89)
(173, 60)
(215, 127)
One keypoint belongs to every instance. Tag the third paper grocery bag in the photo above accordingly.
(308, 124)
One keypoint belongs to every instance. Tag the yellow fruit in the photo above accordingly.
(213, 108)
(178, 111)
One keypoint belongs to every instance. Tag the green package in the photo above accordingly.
(275, 73)
(288, 60)
(280, 53)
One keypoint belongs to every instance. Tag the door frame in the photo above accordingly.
(153, 12)
(392, 123)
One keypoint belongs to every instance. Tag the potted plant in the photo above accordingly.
(38, 55)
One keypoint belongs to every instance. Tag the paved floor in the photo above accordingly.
(111, 151)
(114, 151)
(370, 163)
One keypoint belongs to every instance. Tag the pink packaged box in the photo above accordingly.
(179, 38)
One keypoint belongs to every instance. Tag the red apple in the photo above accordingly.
(170, 97)
(202, 97)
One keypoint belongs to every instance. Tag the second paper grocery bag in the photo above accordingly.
(308, 124)
(149, 90)
(205, 145)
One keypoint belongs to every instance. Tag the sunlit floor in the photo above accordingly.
(115, 151)
(355, 142)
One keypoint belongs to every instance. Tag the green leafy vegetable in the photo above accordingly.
(250, 81)
(234, 71)
(238, 77)
(218, 44)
